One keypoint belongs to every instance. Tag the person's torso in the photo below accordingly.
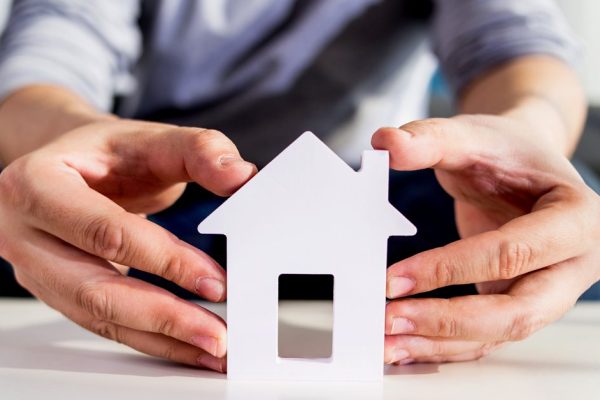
(262, 71)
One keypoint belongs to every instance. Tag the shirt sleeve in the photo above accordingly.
(87, 46)
(471, 36)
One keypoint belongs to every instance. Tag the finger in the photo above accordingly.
(431, 143)
(523, 245)
(93, 223)
(209, 158)
(157, 345)
(469, 145)
(532, 302)
(483, 318)
(400, 348)
(158, 153)
(154, 344)
(454, 144)
(136, 304)
(88, 288)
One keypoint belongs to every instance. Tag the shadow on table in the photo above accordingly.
(412, 369)
(541, 366)
(63, 346)
(526, 365)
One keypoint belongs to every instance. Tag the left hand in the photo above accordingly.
(529, 227)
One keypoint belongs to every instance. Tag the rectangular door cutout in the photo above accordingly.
(303, 333)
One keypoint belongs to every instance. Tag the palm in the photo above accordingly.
(139, 194)
(130, 180)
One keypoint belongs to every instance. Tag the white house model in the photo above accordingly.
(308, 212)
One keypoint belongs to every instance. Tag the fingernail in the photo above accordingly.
(211, 288)
(399, 285)
(229, 159)
(206, 360)
(405, 361)
(399, 355)
(208, 343)
(401, 325)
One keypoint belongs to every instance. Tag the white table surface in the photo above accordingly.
(44, 356)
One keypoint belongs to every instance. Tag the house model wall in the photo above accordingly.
(308, 212)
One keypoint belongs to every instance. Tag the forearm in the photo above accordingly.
(37, 114)
(540, 90)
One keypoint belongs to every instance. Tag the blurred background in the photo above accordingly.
(582, 16)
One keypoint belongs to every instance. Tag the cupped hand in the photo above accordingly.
(71, 211)
(529, 227)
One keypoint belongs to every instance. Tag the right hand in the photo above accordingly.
(70, 212)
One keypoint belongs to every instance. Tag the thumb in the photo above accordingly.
(205, 156)
(431, 143)
(167, 154)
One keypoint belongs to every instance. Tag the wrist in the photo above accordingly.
(36, 115)
(538, 91)
(544, 123)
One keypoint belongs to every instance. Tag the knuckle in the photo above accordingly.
(447, 326)
(95, 299)
(444, 273)
(106, 330)
(436, 348)
(105, 237)
(172, 269)
(14, 189)
(201, 138)
(168, 352)
(513, 258)
(520, 328)
(591, 207)
(426, 126)
(49, 278)
(8, 185)
(166, 325)
(210, 134)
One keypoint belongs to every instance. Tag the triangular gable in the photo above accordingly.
(317, 178)
(306, 157)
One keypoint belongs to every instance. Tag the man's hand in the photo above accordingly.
(529, 227)
(71, 209)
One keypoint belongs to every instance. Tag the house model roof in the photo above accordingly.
(308, 187)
